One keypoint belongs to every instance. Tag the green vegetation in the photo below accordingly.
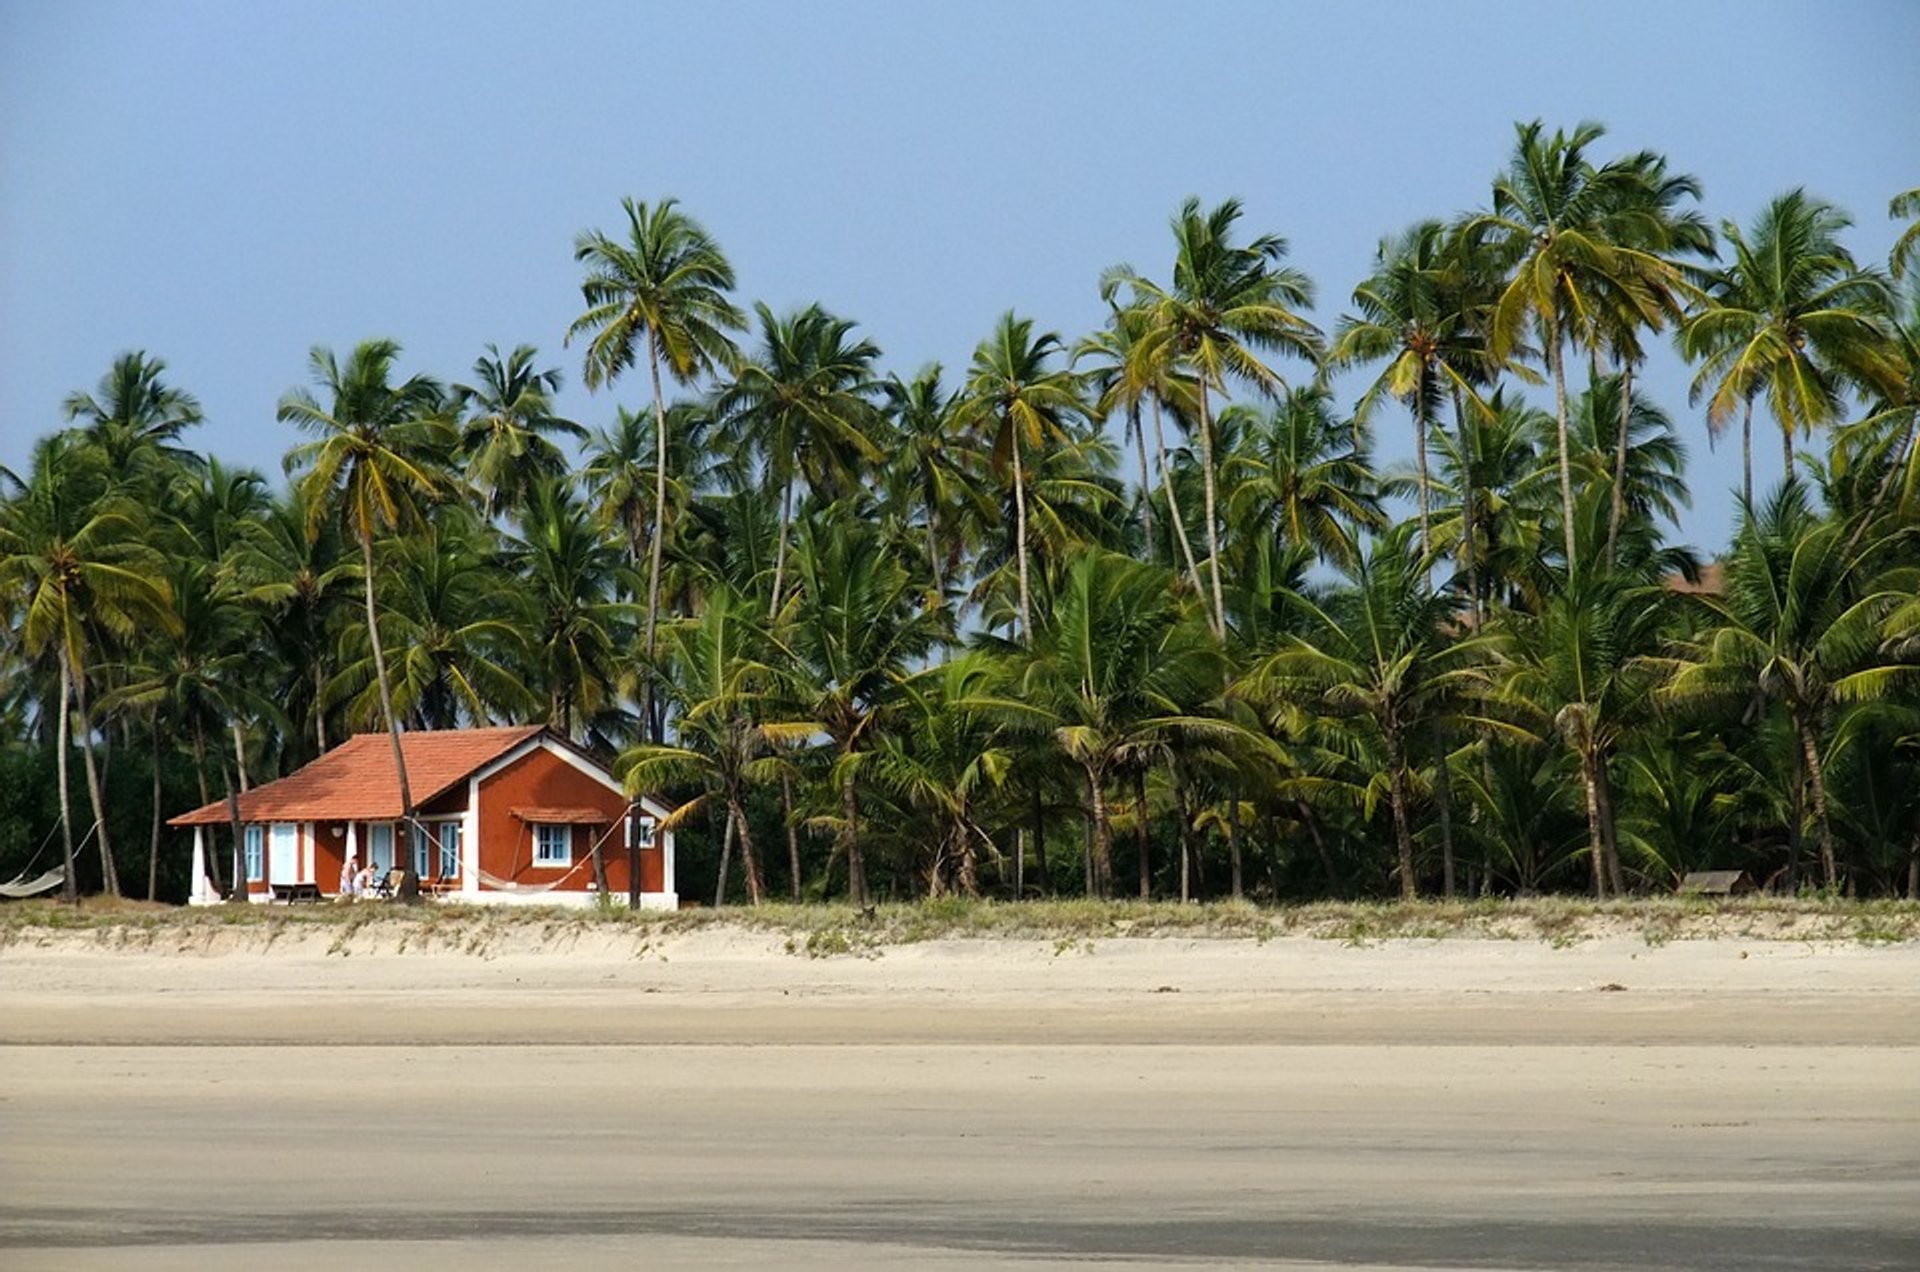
(930, 638)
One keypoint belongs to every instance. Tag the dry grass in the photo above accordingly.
(834, 929)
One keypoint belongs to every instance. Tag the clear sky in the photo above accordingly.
(227, 184)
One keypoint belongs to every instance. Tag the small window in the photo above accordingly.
(552, 845)
(450, 850)
(256, 854)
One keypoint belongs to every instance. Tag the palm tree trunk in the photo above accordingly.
(1609, 826)
(1746, 455)
(1312, 823)
(1422, 480)
(1786, 449)
(1233, 841)
(153, 843)
(1040, 842)
(659, 530)
(319, 714)
(1101, 850)
(1140, 833)
(69, 889)
(1556, 355)
(1817, 780)
(1173, 500)
(1402, 827)
(793, 835)
(109, 877)
(242, 884)
(856, 862)
(747, 861)
(1020, 532)
(726, 862)
(1213, 529)
(1443, 792)
(1468, 560)
(780, 551)
(1596, 842)
(212, 855)
(1618, 511)
(1146, 487)
(409, 881)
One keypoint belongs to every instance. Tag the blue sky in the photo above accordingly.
(227, 184)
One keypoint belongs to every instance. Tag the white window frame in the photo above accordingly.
(540, 831)
(256, 840)
(451, 833)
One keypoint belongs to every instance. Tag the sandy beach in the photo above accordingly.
(711, 1099)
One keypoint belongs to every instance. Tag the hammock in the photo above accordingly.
(586, 859)
(23, 887)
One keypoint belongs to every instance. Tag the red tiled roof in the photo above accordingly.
(356, 781)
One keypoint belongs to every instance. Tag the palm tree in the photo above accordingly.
(665, 288)
(1571, 237)
(1228, 305)
(74, 561)
(372, 465)
(723, 675)
(1801, 625)
(934, 469)
(1117, 667)
(571, 577)
(805, 400)
(1302, 473)
(137, 415)
(506, 435)
(1384, 658)
(1792, 319)
(1016, 400)
(1906, 250)
(854, 629)
(1412, 313)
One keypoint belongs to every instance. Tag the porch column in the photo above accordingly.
(353, 840)
(470, 842)
(201, 893)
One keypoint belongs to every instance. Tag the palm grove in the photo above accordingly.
(1127, 612)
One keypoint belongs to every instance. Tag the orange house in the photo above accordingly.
(500, 816)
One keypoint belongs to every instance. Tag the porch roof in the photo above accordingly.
(573, 816)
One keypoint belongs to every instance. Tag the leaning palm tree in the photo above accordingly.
(804, 401)
(75, 562)
(1017, 400)
(508, 426)
(1792, 319)
(373, 463)
(1227, 306)
(1570, 236)
(664, 290)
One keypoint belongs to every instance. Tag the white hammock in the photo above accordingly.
(47, 882)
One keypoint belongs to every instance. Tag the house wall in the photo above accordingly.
(541, 779)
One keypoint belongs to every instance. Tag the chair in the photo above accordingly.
(389, 884)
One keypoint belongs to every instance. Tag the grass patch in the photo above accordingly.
(837, 930)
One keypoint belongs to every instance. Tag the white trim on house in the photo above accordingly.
(202, 892)
(553, 746)
(470, 842)
(307, 859)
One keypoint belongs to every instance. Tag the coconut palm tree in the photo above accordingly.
(372, 465)
(934, 473)
(1119, 665)
(137, 416)
(1906, 249)
(1228, 305)
(1017, 401)
(507, 428)
(804, 401)
(1384, 658)
(1570, 236)
(75, 561)
(571, 576)
(663, 290)
(1300, 472)
(854, 630)
(1791, 319)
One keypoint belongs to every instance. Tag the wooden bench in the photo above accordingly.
(293, 893)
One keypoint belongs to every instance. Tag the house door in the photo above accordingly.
(380, 846)
(283, 854)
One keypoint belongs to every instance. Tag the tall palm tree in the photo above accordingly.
(1413, 313)
(805, 400)
(936, 468)
(1228, 305)
(1302, 473)
(571, 576)
(1570, 235)
(1792, 319)
(137, 415)
(663, 288)
(75, 562)
(373, 463)
(1018, 401)
(508, 426)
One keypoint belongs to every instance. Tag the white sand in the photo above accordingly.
(715, 1101)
